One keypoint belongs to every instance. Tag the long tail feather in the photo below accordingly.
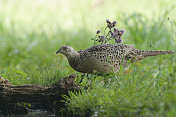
(146, 53)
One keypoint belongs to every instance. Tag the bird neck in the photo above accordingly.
(73, 58)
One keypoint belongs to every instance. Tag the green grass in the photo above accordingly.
(30, 34)
(142, 92)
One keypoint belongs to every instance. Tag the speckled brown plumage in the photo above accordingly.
(4, 82)
(105, 58)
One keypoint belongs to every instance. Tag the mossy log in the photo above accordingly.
(40, 97)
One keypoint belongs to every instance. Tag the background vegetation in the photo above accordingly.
(32, 31)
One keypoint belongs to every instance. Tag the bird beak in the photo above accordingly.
(58, 51)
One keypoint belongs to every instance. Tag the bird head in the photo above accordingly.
(66, 50)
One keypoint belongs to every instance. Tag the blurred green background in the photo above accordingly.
(31, 31)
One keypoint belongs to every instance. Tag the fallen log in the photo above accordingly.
(14, 97)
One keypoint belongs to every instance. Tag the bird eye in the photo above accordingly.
(65, 48)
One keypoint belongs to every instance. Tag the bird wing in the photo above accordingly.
(122, 49)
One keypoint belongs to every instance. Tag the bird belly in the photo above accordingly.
(105, 67)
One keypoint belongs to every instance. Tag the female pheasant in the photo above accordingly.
(106, 58)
